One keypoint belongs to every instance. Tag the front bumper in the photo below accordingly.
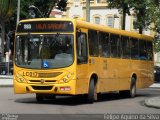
(65, 88)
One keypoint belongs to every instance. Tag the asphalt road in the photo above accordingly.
(108, 103)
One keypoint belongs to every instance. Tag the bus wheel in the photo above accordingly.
(39, 97)
(92, 93)
(132, 92)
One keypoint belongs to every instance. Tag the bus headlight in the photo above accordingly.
(20, 79)
(67, 78)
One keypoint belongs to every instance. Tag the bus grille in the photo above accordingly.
(48, 75)
(40, 81)
(42, 87)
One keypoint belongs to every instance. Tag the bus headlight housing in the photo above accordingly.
(20, 79)
(67, 78)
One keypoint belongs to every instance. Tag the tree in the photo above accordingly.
(140, 8)
(6, 7)
(122, 6)
(62, 5)
(154, 16)
(45, 6)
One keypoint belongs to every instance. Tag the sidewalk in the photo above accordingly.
(153, 102)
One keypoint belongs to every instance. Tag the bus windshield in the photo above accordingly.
(44, 51)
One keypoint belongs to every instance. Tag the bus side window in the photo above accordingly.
(142, 50)
(115, 45)
(125, 47)
(134, 48)
(104, 44)
(81, 47)
(149, 51)
(93, 43)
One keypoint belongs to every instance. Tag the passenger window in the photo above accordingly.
(149, 51)
(115, 45)
(104, 44)
(93, 43)
(134, 48)
(125, 47)
(142, 50)
(81, 47)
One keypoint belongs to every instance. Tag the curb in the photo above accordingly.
(6, 81)
(6, 77)
(6, 86)
(153, 102)
(155, 85)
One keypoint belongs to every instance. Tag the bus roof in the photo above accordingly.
(87, 25)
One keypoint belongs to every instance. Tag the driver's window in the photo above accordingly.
(82, 47)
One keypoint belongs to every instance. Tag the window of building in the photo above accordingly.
(97, 20)
(110, 21)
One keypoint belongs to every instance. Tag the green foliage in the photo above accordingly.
(45, 6)
(6, 8)
(154, 17)
(156, 45)
(139, 7)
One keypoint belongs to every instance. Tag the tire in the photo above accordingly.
(39, 97)
(92, 92)
(50, 96)
(132, 92)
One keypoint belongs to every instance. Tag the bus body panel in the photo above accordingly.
(45, 78)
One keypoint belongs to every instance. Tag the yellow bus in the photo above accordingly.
(73, 57)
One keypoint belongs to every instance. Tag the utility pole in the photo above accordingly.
(88, 10)
(18, 11)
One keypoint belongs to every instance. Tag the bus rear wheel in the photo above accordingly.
(92, 92)
(132, 92)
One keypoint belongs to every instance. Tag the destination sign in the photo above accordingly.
(45, 26)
